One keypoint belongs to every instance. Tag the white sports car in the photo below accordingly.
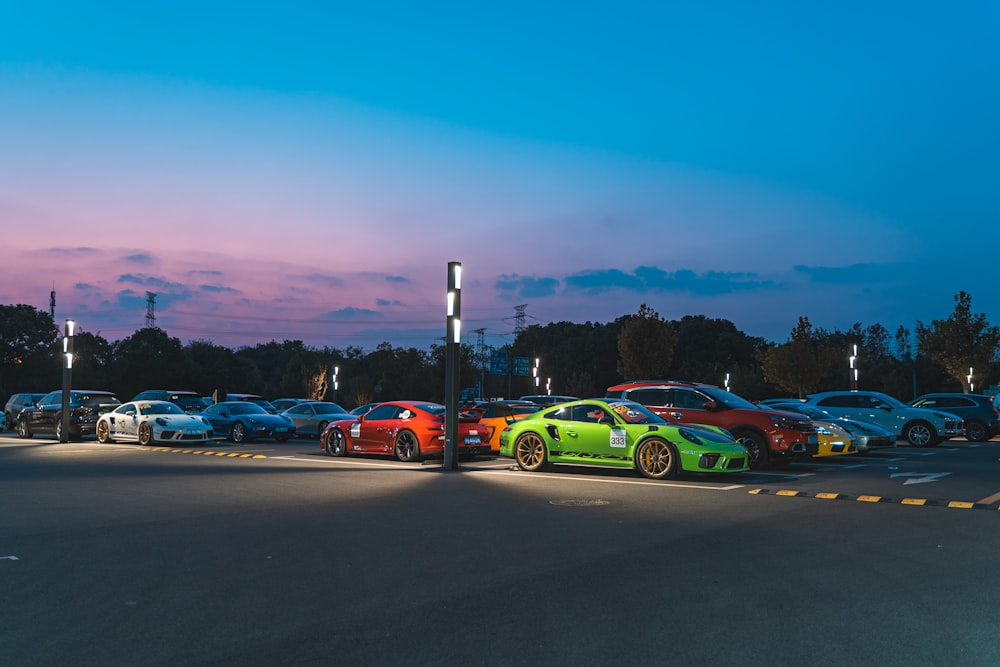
(147, 422)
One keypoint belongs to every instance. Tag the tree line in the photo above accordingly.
(574, 359)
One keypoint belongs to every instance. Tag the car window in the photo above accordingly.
(649, 396)
(839, 401)
(587, 412)
(381, 412)
(300, 409)
(689, 399)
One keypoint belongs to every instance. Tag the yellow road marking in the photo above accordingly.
(960, 503)
(869, 499)
(834, 496)
(913, 501)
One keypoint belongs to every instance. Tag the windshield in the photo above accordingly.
(633, 413)
(159, 409)
(328, 409)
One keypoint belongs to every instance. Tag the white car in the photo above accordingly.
(919, 426)
(147, 422)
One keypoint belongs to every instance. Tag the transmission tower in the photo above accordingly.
(150, 310)
(519, 319)
(52, 302)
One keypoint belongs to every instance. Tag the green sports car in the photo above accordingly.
(620, 434)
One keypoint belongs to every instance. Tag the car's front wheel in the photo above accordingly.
(656, 459)
(920, 434)
(530, 452)
(756, 448)
(238, 433)
(23, 430)
(335, 444)
(145, 434)
(407, 448)
(976, 431)
(103, 432)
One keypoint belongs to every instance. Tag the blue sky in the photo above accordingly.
(307, 170)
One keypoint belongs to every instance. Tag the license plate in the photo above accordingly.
(472, 439)
(280, 429)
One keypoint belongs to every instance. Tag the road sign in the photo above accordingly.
(498, 362)
(522, 366)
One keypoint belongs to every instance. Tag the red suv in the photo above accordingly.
(770, 436)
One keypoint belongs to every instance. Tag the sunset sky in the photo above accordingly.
(306, 170)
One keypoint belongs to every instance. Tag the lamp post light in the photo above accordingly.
(534, 372)
(67, 380)
(972, 387)
(452, 376)
(854, 368)
(726, 383)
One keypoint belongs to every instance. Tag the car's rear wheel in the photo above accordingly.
(656, 459)
(23, 430)
(920, 434)
(320, 429)
(103, 432)
(145, 434)
(756, 448)
(976, 431)
(335, 444)
(407, 448)
(530, 453)
(238, 433)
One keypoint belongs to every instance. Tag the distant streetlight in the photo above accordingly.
(726, 384)
(854, 368)
(67, 380)
(972, 387)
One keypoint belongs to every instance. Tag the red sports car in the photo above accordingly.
(409, 430)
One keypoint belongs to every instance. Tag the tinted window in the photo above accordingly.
(588, 413)
(839, 401)
(382, 412)
(649, 396)
(687, 398)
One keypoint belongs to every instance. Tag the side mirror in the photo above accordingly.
(607, 419)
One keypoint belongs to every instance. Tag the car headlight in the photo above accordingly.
(823, 430)
(161, 421)
(786, 422)
(207, 423)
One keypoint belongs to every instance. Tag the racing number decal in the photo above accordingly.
(617, 437)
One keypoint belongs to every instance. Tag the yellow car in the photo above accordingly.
(833, 440)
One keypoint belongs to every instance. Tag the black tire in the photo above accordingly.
(976, 431)
(407, 446)
(656, 458)
(756, 446)
(103, 432)
(320, 429)
(145, 434)
(23, 430)
(238, 433)
(530, 452)
(920, 434)
(336, 444)
(282, 438)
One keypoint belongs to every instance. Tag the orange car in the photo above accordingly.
(408, 430)
(497, 415)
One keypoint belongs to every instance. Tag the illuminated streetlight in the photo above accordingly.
(854, 368)
(67, 380)
(972, 387)
(452, 377)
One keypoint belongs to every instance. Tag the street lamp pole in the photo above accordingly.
(854, 368)
(67, 380)
(452, 376)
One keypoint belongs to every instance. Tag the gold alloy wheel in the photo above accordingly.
(655, 459)
(529, 452)
(103, 432)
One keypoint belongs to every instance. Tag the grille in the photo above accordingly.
(735, 463)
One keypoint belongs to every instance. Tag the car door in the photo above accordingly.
(373, 433)
(126, 424)
(47, 412)
(590, 436)
(218, 416)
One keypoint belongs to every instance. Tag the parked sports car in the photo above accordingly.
(311, 418)
(497, 415)
(867, 436)
(148, 422)
(408, 430)
(240, 421)
(621, 434)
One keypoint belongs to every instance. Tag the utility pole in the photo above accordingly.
(150, 310)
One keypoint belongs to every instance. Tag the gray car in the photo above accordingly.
(975, 409)
(311, 418)
(919, 426)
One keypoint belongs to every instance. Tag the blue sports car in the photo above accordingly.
(240, 421)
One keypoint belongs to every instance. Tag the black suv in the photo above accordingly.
(977, 410)
(15, 404)
(188, 401)
(46, 416)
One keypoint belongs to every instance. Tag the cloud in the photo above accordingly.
(351, 314)
(397, 279)
(855, 274)
(324, 280)
(388, 302)
(525, 287)
(139, 258)
(218, 289)
(651, 279)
